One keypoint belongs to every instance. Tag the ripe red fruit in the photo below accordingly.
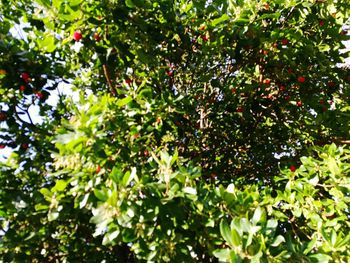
(284, 41)
(39, 94)
(267, 81)
(77, 36)
(128, 81)
(97, 37)
(287, 97)
(292, 168)
(25, 76)
(145, 153)
(299, 103)
(321, 23)
(98, 169)
(282, 87)
(169, 73)
(3, 116)
(301, 79)
(22, 88)
(275, 45)
(205, 38)
(233, 91)
(24, 146)
(331, 84)
(239, 109)
(2, 146)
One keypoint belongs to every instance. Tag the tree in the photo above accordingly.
(204, 131)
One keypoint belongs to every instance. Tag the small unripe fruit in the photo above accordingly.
(77, 36)
(301, 79)
(292, 168)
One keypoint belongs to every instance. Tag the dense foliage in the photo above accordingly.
(204, 131)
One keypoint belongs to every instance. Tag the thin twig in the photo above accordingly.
(106, 73)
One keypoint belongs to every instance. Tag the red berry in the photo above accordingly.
(2, 146)
(343, 32)
(145, 153)
(128, 81)
(321, 101)
(292, 168)
(301, 79)
(77, 36)
(284, 41)
(267, 81)
(331, 84)
(169, 73)
(3, 116)
(299, 103)
(97, 37)
(22, 88)
(275, 45)
(287, 97)
(98, 169)
(282, 87)
(24, 146)
(39, 94)
(205, 38)
(25, 77)
(233, 91)
(290, 71)
(321, 23)
(239, 109)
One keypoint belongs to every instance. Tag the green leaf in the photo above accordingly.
(278, 240)
(129, 3)
(59, 186)
(219, 20)
(226, 232)
(101, 194)
(257, 215)
(222, 254)
(124, 101)
(322, 258)
(53, 215)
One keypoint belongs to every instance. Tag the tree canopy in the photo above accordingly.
(203, 131)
